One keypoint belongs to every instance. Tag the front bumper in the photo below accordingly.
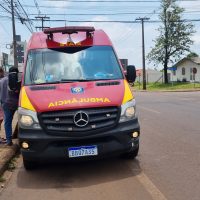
(43, 146)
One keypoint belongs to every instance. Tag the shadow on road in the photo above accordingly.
(79, 174)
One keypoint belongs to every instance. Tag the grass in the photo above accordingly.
(12, 165)
(169, 86)
(2, 179)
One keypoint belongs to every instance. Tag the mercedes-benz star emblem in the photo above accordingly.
(81, 119)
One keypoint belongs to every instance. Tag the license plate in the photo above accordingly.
(82, 151)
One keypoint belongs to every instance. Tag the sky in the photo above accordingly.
(126, 37)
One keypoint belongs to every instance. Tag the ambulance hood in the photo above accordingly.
(77, 95)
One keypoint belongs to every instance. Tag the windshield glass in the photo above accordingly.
(71, 64)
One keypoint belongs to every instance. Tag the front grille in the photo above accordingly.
(63, 121)
(107, 83)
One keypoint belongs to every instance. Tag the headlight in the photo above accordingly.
(130, 112)
(127, 111)
(28, 119)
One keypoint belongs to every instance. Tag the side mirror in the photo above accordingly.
(13, 81)
(131, 73)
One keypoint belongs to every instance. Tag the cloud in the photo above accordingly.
(58, 4)
(4, 38)
(196, 39)
(190, 6)
(126, 38)
(121, 35)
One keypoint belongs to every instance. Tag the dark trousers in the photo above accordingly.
(8, 117)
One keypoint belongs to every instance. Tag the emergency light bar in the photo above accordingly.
(69, 30)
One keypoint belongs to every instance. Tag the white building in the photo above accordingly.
(184, 70)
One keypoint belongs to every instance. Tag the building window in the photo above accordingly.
(194, 70)
(183, 71)
(192, 74)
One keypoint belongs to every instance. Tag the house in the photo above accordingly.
(152, 76)
(184, 70)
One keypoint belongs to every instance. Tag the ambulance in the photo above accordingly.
(75, 101)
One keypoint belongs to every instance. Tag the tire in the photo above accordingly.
(131, 154)
(29, 165)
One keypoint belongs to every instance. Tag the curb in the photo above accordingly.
(6, 154)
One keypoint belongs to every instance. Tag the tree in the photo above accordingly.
(174, 38)
(192, 55)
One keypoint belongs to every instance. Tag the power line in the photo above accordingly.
(22, 19)
(109, 14)
(42, 18)
(118, 21)
(117, 1)
(153, 13)
(17, 14)
(109, 1)
(31, 29)
(102, 6)
(90, 14)
(5, 9)
(107, 21)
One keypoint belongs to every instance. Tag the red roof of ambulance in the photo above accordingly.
(38, 39)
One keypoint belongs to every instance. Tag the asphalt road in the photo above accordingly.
(167, 166)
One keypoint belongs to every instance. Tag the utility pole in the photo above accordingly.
(143, 52)
(42, 18)
(166, 46)
(14, 35)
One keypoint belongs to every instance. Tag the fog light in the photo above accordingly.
(135, 134)
(25, 145)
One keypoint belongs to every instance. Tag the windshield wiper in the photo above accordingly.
(104, 79)
(71, 81)
(75, 80)
(46, 83)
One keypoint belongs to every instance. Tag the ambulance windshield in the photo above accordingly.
(88, 64)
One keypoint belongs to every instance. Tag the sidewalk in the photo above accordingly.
(6, 152)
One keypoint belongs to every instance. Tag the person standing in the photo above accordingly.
(1, 111)
(9, 101)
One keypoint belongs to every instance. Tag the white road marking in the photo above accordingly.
(148, 109)
(155, 193)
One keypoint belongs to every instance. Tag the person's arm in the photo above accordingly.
(2, 81)
(0, 92)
